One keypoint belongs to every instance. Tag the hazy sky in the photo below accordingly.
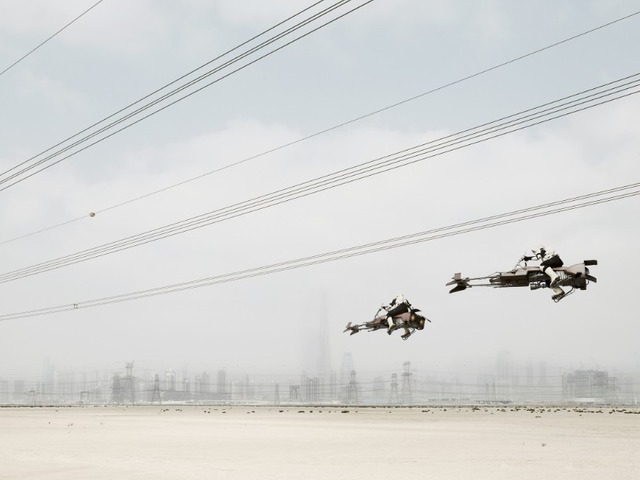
(385, 52)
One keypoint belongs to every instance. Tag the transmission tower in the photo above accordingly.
(407, 396)
(122, 390)
(393, 394)
(116, 390)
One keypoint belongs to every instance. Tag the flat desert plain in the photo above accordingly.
(302, 442)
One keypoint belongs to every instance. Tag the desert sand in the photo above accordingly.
(302, 442)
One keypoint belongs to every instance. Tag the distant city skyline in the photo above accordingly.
(382, 80)
(511, 381)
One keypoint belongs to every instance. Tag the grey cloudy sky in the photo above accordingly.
(383, 53)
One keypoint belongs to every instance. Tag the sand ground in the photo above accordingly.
(287, 442)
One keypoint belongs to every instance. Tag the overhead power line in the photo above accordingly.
(33, 165)
(321, 132)
(178, 89)
(525, 119)
(49, 38)
(568, 204)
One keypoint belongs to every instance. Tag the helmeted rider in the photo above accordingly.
(397, 306)
(549, 260)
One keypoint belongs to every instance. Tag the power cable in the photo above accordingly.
(49, 38)
(181, 87)
(529, 213)
(21, 175)
(326, 130)
(158, 90)
(163, 232)
(487, 131)
(137, 102)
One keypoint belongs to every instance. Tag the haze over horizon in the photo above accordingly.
(374, 57)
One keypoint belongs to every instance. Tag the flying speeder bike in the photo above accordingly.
(550, 274)
(398, 314)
